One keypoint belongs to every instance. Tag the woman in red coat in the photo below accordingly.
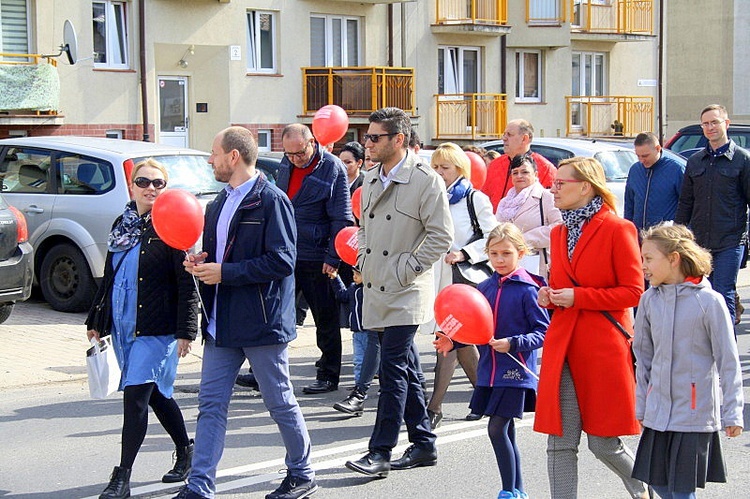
(586, 381)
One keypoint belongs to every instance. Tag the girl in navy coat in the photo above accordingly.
(506, 379)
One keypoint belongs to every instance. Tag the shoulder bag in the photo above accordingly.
(466, 272)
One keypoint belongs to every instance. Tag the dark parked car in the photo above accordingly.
(16, 274)
(690, 139)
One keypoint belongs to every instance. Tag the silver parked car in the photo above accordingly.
(71, 189)
(15, 259)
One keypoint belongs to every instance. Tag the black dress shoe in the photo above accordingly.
(473, 416)
(371, 464)
(354, 404)
(248, 381)
(320, 386)
(414, 457)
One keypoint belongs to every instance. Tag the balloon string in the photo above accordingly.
(523, 365)
(198, 290)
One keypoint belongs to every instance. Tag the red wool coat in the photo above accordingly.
(606, 265)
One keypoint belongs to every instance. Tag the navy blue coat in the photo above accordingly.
(322, 207)
(519, 318)
(651, 194)
(352, 296)
(255, 303)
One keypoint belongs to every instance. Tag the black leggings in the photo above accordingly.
(136, 400)
(502, 433)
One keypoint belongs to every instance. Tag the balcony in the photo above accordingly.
(609, 116)
(470, 116)
(478, 17)
(359, 90)
(616, 19)
(546, 12)
(29, 90)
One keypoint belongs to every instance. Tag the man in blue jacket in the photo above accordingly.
(316, 182)
(247, 276)
(654, 183)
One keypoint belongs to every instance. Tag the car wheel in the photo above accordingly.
(66, 281)
(5, 310)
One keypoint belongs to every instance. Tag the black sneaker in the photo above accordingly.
(248, 381)
(294, 488)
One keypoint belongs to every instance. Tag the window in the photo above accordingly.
(589, 79)
(459, 70)
(110, 34)
(114, 134)
(261, 41)
(14, 30)
(529, 76)
(26, 170)
(334, 41)
(264, 140)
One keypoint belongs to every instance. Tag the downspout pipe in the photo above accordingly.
(390, 35)
(142, 63)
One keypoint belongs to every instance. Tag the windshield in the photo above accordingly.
(616, 164)
(189, 172)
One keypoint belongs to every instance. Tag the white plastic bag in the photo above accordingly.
(102, 367)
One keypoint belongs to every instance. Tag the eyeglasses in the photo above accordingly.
(298, 154)
(375, 137)
(712, 124)
(143, 182)
(558, 183)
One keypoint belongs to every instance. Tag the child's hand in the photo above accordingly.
(733, 431)
(443, 344)
(502, 345)
(543, 297)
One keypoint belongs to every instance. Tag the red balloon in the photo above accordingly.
(464, 314)
(478, 169)
(178, 218)
(346, 244)
(330, 123)
(357, 202)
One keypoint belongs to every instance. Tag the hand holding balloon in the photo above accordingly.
(442, 343)
(464, 314)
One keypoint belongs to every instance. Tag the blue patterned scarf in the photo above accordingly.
(127, 233)
(458, 190)
(575, 219)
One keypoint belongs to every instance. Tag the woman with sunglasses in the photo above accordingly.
(152, 310)
(531, 208)
(587, 382)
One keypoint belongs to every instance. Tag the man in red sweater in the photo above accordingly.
(516, 140)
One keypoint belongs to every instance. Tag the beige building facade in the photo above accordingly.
(461, 69)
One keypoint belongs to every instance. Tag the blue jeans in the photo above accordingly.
(664, 493)
(401, 394)
(359, 345)
(218, 373)
(370, 360)
(726, 265)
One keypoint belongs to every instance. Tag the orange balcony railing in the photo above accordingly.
(470, 116)
(359, 90)
(608, 116)
(489, 12)
(546, 11)
(26, 59)
(634, 17)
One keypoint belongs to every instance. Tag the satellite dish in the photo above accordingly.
(70, 42)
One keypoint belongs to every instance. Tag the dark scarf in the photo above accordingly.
(575, 219)
(458, 190)
(128, 231)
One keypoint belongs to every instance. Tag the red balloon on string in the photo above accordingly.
(463, 314)
(478, 169)
(357, 202)
(346, 244)
(330, 123)
(178, 218)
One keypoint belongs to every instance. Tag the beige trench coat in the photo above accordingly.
(404, 230)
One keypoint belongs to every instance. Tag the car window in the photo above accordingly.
(189, 172)
(25, 170)
(553, 154)
(78, 174)
(616, 164)
(688, 142)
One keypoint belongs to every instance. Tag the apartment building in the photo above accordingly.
(176, 71)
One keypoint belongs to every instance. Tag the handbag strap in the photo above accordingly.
(475, 228)
(609, 317)
(111, 281)
(541, 212)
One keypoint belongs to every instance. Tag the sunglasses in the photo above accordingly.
(375, 137)
(143, 182)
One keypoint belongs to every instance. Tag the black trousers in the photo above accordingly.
(317, 290)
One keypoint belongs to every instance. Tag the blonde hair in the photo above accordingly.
(591, 171)
(153, 164)
(694, 260)
(507, 232)
(450, 153)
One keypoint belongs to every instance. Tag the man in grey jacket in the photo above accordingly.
(405, 228)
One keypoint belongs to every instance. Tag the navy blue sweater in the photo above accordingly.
(651, 194)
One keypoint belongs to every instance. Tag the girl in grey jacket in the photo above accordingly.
(685, 350)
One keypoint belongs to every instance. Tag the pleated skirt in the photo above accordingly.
(506, 402)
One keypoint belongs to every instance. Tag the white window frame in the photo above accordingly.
(266, 134)
(255, 42)
(453, 65)
(521, 75)
(116, 42)
(343, 44)
(587, 82)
